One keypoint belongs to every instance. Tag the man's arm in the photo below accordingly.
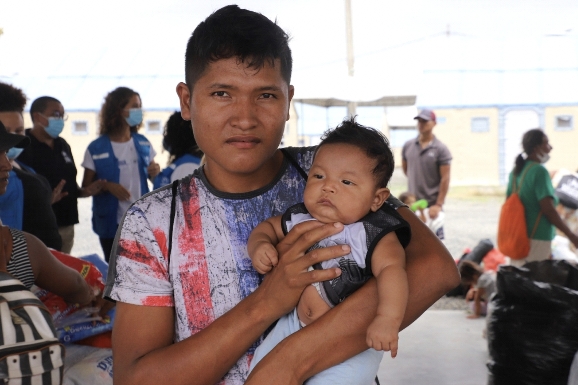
(340, 333)
(443, 191)
(143, 348)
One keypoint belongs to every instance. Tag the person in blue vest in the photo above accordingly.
(122, 158)
(184, 154)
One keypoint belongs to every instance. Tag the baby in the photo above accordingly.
(347, 183)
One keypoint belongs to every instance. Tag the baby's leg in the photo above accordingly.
(286, 325)
(358, 370)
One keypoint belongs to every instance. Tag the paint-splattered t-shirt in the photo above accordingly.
(209, 271)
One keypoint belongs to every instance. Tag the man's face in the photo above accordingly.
(425, 126)
(238, 116)
(53, 110)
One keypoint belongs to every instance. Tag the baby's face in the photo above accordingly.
(341, 186)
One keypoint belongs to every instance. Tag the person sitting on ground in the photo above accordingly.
(184, 154)
(482, 285)
(27, 203)
(347, 183)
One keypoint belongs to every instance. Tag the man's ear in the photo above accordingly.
(185, 100)
(291, 93)
(380, 197)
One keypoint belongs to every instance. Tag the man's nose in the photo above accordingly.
(245, 116)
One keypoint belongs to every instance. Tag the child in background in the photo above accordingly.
(347, 183)
(414, 205)
(420, 208)
(482, 286)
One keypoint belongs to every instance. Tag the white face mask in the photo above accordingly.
(543, 158)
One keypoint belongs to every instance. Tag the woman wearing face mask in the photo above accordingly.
(50, 156)
(122, 158)
(537, 194)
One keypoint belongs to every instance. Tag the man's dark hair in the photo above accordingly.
(234, 32)
(12, 99)
(39, 105)
(369, 140)
(179, 139)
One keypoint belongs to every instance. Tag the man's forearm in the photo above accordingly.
(203, 358)
(443, 192)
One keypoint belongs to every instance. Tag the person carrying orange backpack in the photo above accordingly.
(532, 182)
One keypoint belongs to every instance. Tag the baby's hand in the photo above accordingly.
(265, 257)
(382, 335)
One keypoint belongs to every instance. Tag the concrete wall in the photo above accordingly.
(565, 142)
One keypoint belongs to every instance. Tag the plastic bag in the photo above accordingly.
(533, 327)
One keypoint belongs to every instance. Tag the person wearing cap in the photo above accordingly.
(27, 203)
(50, 156)
(426, 163)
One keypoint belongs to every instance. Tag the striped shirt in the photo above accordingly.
(19, 264)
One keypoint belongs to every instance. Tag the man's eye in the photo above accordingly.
(267, 96)
(220, 93)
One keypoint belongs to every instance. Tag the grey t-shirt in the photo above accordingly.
(423, 167)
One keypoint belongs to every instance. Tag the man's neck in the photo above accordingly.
(42, 136)
(233, 183)
(425, 139)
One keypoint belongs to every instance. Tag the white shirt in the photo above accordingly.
(129, 178)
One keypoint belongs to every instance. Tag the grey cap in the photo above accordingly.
(426, 114)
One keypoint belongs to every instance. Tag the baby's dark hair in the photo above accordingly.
(469, 271)
(404, 196)
(369, 140)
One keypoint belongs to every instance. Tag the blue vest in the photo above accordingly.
(105, 205)
(12, 203)
(164, 177)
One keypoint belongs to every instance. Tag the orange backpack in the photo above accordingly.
(512, 231)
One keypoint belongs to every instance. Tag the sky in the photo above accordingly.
(79, 48)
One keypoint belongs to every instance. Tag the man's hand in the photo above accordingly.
(57, 193)
(285, 283)
(434, 211)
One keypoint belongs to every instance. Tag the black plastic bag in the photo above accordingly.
(533, 326)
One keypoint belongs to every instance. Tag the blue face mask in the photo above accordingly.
(134, 117)
(14, 152)
(55, 127)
